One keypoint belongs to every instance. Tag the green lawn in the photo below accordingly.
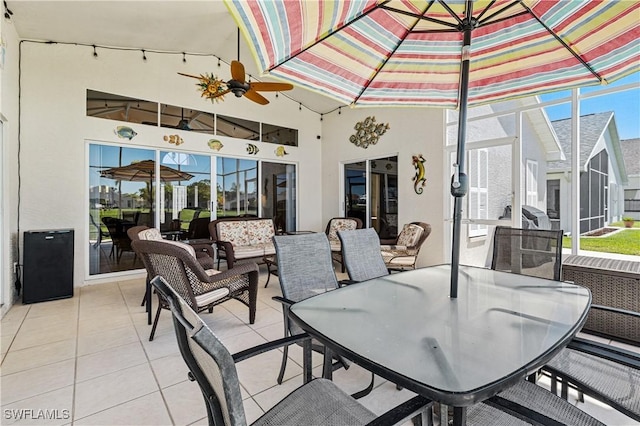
(623, 242)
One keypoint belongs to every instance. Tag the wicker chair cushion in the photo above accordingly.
(340, 225)
(152, 234)
(243, 252)
(410, 235)
(234, 231)
(210, 297)
(392, 258)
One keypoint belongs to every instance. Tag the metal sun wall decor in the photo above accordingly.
(368, 132)
(419, 178)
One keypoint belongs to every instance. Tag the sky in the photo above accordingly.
(625, 105)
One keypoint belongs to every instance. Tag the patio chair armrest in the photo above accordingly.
(250, 269)
(286, 302)
(606, 351)
(388, 241)
(616, 310)
(227, 248)
(266, 347)
(402, 412)
(206, 262)
(393, 247)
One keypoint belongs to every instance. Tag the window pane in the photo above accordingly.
(185, 200)
(237, 128)
(121, 108)
(237, 190)
(175, 117)
(116, 204)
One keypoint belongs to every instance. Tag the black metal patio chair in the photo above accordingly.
(316, 402)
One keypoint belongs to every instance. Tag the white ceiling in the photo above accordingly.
(176, 26)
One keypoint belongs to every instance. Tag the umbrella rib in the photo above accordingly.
(402, 39)
(335, 31)
(486, 9)
(452, 13)
(564, 44)
(504, 9)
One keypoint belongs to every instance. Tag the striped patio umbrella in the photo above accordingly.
(439, 53)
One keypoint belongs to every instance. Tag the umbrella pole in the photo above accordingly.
(459, 183)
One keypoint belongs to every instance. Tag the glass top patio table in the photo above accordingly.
(405, 328)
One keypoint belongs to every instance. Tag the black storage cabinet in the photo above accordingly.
(47, 265)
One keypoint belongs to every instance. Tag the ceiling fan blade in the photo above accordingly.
(237, 71)
(270, 87)
(256, 97)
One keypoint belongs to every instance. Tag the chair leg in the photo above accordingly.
(155, 322)
(366, 391)
(283, 365)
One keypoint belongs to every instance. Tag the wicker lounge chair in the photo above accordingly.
(402, 252)
(202, 289)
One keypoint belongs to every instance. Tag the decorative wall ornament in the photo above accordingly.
(368, 132)
(215, 144)
(252, 149)
(125, 132)
(280, 152)
(173, 139)
(419, 178)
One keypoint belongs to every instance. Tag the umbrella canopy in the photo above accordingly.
(144, 171)
(441, 53)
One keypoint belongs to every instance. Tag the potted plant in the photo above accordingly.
(628, 221)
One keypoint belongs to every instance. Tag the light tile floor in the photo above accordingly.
(88, 361)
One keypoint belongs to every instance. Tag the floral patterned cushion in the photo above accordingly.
(410, 235)
(340, 225)
(234, 231)
(260, 231)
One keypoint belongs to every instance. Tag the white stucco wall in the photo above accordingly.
(412, 131)
(55, 130)
(9, 169)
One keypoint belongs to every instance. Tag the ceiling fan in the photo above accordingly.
(214, 88)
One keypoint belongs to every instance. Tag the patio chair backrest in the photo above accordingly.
(208, 359)
(341, 224)
(175, 264)
(304, 265)
(361, 254)
(533, 252)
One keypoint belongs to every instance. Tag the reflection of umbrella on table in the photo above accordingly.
(144, 171)
(411, 52)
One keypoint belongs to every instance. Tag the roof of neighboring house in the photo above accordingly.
(631, 154)
(592, 127)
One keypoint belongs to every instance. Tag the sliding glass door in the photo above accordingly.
(371, 194)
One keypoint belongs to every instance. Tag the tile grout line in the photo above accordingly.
(146, 355)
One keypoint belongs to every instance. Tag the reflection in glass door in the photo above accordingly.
(182, 201)
(355, 190)
(278, 199)
(121, 195)
(371, 194)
